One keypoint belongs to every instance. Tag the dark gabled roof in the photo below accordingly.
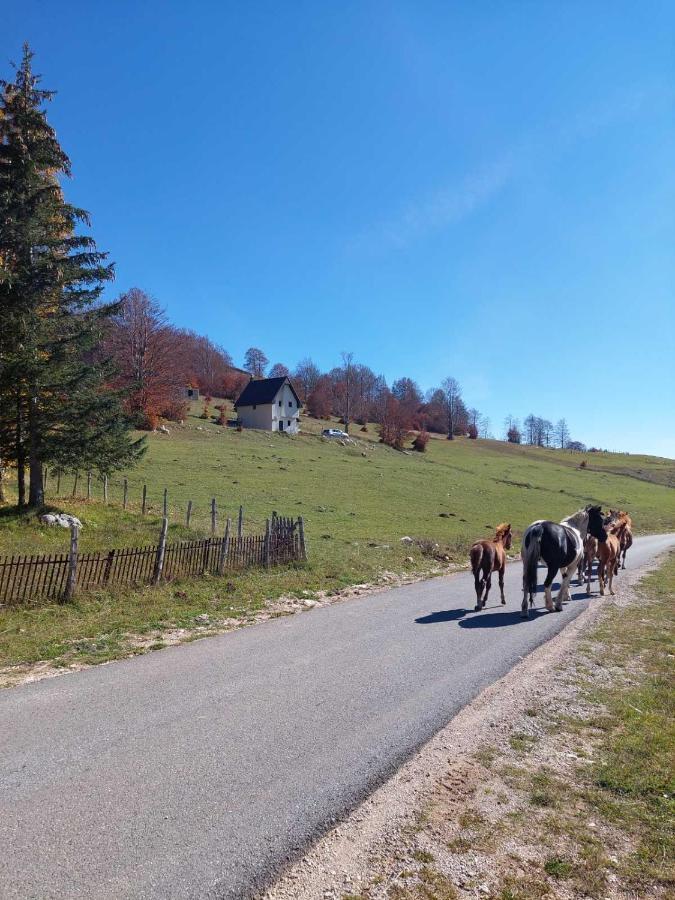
(264, 390)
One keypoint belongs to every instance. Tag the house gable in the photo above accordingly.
(262, 391)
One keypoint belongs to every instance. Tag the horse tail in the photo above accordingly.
(476, 557)
(531, 557)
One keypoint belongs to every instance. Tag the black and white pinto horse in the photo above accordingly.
(561, 547)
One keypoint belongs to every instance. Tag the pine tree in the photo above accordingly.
(55, 407)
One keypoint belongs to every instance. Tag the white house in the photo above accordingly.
(269, 404)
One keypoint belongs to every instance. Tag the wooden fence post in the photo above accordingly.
(71, 583)
(105, 488)
(267, 543)
(145, 495)
(126, 494)
(77, 475)
(108, 566)
(240, 522)
(188, 515)
(303, 546)
(88, 485)
(159, 561)
(222, 561)
(58, 482)
(165, 505)
(44, 481)
(214, 517)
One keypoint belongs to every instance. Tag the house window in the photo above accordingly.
(290, 403)
(289, 423)
(280, 403)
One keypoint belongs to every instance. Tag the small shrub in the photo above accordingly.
(583, 464)
(421, 441)
(174, 410)
(147, 421)
(558, 868)
(472, 431)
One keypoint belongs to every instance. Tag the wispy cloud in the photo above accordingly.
(451, 204)
(446, 206)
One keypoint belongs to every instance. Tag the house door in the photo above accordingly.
(281, 425)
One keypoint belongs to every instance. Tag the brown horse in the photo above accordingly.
(607, 552)
(488, 557)
(622, 527)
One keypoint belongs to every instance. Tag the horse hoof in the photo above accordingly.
(476, 609)
(503, 602)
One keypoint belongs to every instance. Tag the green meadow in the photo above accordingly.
(358, 500)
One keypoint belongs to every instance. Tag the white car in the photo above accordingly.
(334, 433)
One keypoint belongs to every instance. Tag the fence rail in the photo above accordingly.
(58, 576)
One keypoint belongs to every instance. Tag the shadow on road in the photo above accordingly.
(500, 619)
(443, 615)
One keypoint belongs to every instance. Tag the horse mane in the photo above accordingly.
(622, 521)
(502, 530)
(578, 520)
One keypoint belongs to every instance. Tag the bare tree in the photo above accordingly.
(344, 388)
(545, 432)
(562, 434)
(144, 348)
(512, 431)
(306, 376)
(255, 362)
(484, 427)
(278, 370)
(203, 362)
(452, 394)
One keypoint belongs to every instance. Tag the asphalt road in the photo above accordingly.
(199, 770)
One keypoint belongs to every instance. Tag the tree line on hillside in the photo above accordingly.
(155, 360)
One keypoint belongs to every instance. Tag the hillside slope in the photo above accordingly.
(357, 500)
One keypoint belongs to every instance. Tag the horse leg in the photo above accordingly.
(488, 585)
(580, 570)
(601, 576)
(611, 575)
(501, 585)
(547, 587)
(478, 584)
(564, 593)
(524, 610)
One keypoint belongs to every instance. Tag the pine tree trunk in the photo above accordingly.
(36, 491)
(20, 458)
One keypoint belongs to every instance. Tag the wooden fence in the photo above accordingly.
(60, 576)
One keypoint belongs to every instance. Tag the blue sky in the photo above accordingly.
(481, 189)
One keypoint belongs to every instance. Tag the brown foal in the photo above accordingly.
(488, 557)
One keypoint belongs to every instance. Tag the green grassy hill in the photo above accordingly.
(357, 500)
(353, 496)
